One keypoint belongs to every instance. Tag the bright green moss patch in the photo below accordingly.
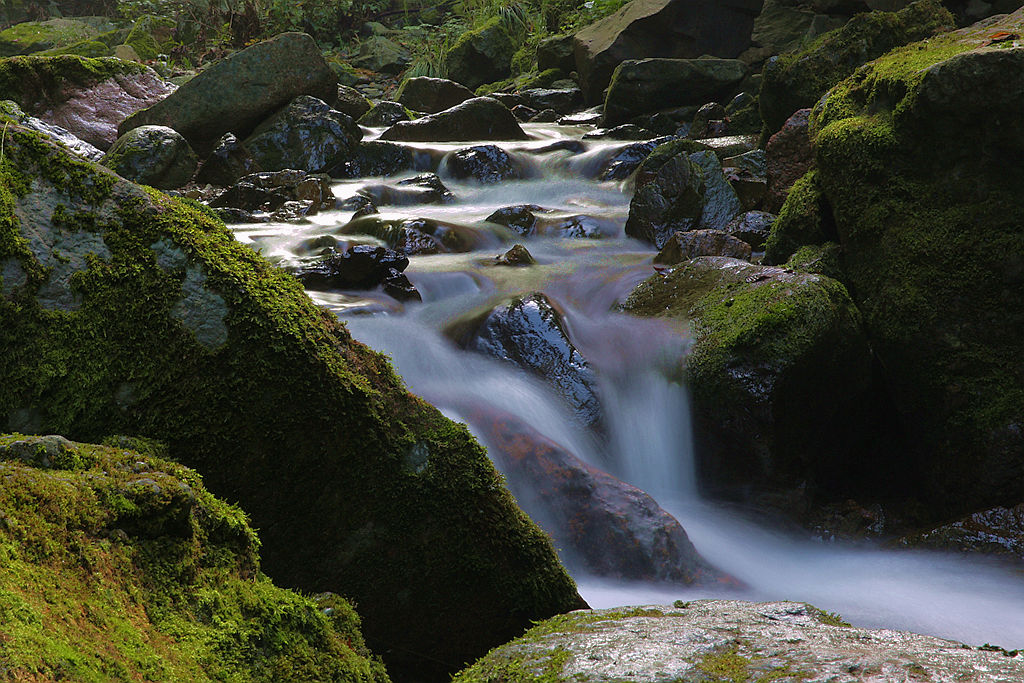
(805, 219)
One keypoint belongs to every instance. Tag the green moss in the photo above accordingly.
(521, 82)
(805, 219)
(821, 259)
(33, 81)
(828, 618)
(151, 36)
(33, 36)
(84, 48)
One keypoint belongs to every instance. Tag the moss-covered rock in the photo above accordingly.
(120, 565)
(779, 371)
(805, 219)
(151, 36)
(912, 157)
(797, 80)
(483, 55)
(37, 82)
(126, 311)
(153, 155)
(34, 36)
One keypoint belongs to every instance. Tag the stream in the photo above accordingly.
(645, 438)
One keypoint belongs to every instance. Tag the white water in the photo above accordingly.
(648, 438)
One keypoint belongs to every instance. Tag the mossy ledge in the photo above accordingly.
(125, 311)
(33, 81)
(119, 565)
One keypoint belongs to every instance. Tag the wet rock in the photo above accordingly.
(306, 135)
(76, 146)
(700, 639)
(753, 227)
(360, 267)
(996, 531)
(384, 114)
(351, 102)
(269, 191)
(683, 246)
(788, 157)
(647, 85)
(413, 236)
(749, 187)
(521, 218)
(486, 164)
(603, 526)
(431, 95)
(586, 117)
(627, 131)
(708, 121)
(518, 255)
(556, 52)
(661, 28)
(669, 195)
(753, 161)
(481, 118)
(545, 116)
(228, 162)
(237, 93)
(571, 146)
(425, 188)
(622, 163)
(153, 155)
(481, 56)
(377, 158)
(562, 101)
(721, 204)
(530, 333)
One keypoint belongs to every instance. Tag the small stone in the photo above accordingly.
(518, 255)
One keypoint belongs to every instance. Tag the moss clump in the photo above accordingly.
(33, 36)
(823, 259)
(124, 567)
(186, 336)
(798, 79)
(805, 219)
(34, 81)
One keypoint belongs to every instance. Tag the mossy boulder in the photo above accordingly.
(481, 56)
(153, 155)
(151, 36)
(796, 80)
(118, 564)
(126, 311)
(912, 157)
(780, 371)
(35, 36)
(805, 219)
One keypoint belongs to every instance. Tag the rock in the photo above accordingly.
(683, 246)
(376, 158)
(172, 542)
(192, 338)
(798, 79)
(481, 118)
(788, 157)
(269, 191)
(87, 97)
(603, 526)
(425, 188)
(521, 218)
(153, 155)
(35, 36)
(669, 195)
(925, 213)
(752, 227)
(237, 93)
(523, 113)
(805, 218)
(10, 110)
(360, 267)
(780, 372)
(481, 56)
(626, 131)
(414, 236)
(383, 55)
(556, 52)
(623, 162)
(701, 640)
(997, 531)
(530, 333)
(721, 204)
(228, 162)
(675, 29)
(753, 161)
(485, 164)
(750, 188)
(152, 36)
(306, 135)
(530, 220)
(743, 115)
(351, 102)
(642, 86)
(784, 27)
(431, 95)
(563, 101)
(546, 116)
(384, 114)
(518, 255)
(708, 121)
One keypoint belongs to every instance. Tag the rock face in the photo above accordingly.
(160, 323)
(669, 195)
(431, 95)
(677, 29)
(481, 118)
(925, 213)
(780, 370)
(307, 135)
(153, 155)
(729, 640)
(87, 97)
(641, 86)
(604, 526)
(237, 93)
(181, 576)
(998, 531)
(481, 56)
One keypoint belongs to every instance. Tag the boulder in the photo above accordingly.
(425, 188)
(797, 80)
(556, 52)
(518, 255)
(377, 158)
(674, 29)
(9, 110)
(521, 218)
(360, 267)
(487, 164)
(784, 26)
(413, 236)
(431, 95)
(780, 373)
(753, 227)
(621, 163)
(787, 158)
(729, 640)
(384, 114)
(642, 86)
(530, 333)
(481, 118)
(306, 135)
(669, 195)
(269, 191)
(561, 100)
(683, 246)
(35, 36)
(87, 97)
(377, 53)
(153, 319)
(351, 102)
(237, 93)
(481, 56)
(805, 219)
(228, 162)
(911, 157)
(721, 204)
(153, 155)
(603, 526)
(182, 575)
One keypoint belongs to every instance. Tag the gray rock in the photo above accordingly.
(384, 55)
(201, 309)
(621, 163)
(228, 162)
(721, 204)
(669, 196)
(351, 102)
(306, 135)
(481, 118)
(377, 158)
(153, 155)
(431, 95)
(486, 164)
(683, 246)
(752, 227)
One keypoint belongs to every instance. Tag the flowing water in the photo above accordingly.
(646, 439)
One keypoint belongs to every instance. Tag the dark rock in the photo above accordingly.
(377, 158)
(351, 102)
(749, 187)
(153, 155)
(306, 135)
(556, 52)
(523, 113)
(721, 204)
(360, 267)
(384, 114)
(703, 125)
(521, 218)
(228, 162)
(481, 118)
(546, 116)
(431, 95)
(788, 157)
(683, 246)
(238, 92)
(481, 56)
(486, 164)
(383, 55)
(661, 123)
(425, 188)
(414, 236)
(669, 195)
(530, 334)
(571, 146)
(647, 85)
(623, 162)
(269, 191)
(805, 218)
(562, 101)
(518, 255)
(752, 227)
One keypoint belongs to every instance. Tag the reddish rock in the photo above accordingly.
(683, 246)
(789, 157)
